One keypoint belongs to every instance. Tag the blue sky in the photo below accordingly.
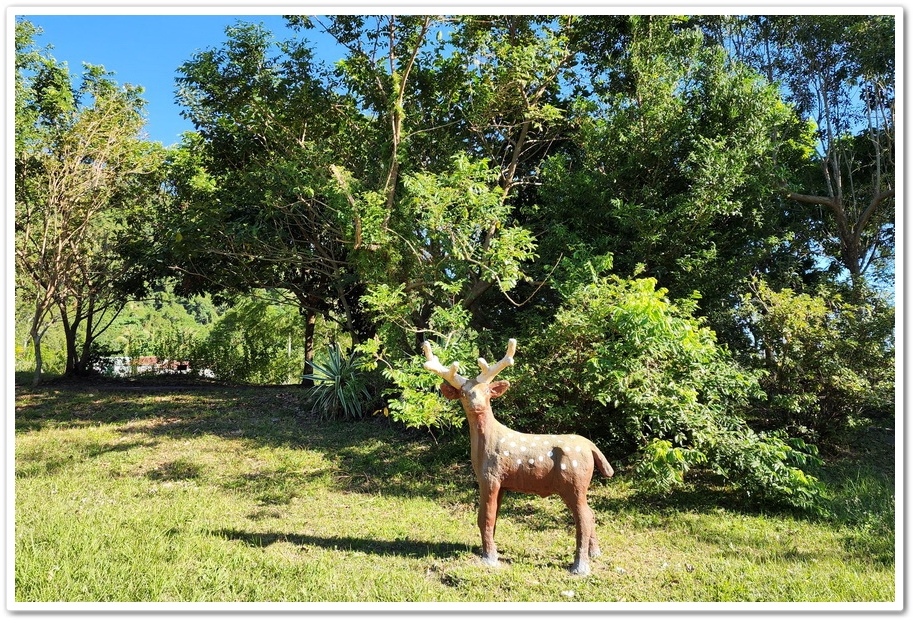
(143, 50)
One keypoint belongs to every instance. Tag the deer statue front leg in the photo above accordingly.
(490, 498)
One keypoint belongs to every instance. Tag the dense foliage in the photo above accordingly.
(686, 221)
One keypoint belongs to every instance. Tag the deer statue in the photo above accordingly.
(507, 460)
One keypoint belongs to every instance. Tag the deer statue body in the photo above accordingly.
(507, 460)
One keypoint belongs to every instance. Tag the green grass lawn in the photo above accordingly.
(211, 494)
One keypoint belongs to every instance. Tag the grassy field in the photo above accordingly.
(212, 494)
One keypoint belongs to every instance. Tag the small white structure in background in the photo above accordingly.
(122, 367)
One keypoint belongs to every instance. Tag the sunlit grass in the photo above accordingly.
(222, 495)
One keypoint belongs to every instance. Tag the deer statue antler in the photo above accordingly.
(488, 373)
(450, 374)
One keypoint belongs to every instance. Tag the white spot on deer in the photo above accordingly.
(562, 465)
(506, 452)
(540, 458)
(575, 464)
(530, 461)
(511, 444)
(578, 449)
(550, 454)
(523, 448)
(518, 462)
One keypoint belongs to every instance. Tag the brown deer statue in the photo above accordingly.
(507, 460)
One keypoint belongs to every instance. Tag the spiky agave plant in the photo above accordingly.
(341, 389)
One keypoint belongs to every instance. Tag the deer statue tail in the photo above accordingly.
(604, 467)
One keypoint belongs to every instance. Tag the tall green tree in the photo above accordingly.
(30, 60)
(672, 168)
(82, 175)
(308, 178)
(516, 109)
(486, 100)
(839, 72)
(823, 329)
(257, 205)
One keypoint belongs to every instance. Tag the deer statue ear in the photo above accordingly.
(498, 388)
(449, 392)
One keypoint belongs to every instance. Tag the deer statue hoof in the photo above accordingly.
(580, 567)
(490, 560)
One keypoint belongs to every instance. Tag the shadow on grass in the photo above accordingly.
(372, 455)
(180, 469)
(398, 547)
(80, 406)
(703, 492)
(279, 486)
(30, 464)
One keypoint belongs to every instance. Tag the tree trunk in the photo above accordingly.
(82, 365)
(36, 343)
(308, 344)
(70, 340)
(36, 332)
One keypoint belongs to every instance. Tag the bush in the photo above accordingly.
(256, 341)
(414, 394)
(623, 364)
(341, 384)
(827, 359)
(414, 399)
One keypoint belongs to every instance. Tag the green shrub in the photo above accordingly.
(640, 374)
(827, 359)
(770, 468)
(341, 384)
(663, 466)
(255, 341)
(413, 397)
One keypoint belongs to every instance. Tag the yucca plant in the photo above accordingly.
(341, 385)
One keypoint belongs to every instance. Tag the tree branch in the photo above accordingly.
(876, 201)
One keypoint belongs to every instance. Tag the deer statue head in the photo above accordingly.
(507, 460)
(474, 394)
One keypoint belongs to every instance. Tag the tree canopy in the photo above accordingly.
(687, 221)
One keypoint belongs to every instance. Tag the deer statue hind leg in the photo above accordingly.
(586, 536)
(499, 504)
(594, 550)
